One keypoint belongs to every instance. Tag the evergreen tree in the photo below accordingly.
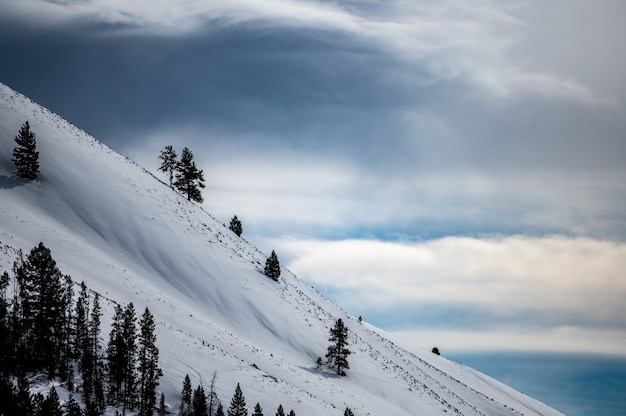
(238, 404)
(185, 403)
(81, 311)
(94, 358)
(292, 413)
(162, 411)
(169, 162)
(5, 328)
(338, 352)
(115, 348)
(258, 410)
(129, 358)
(41, 294)
(68, 330)
(235, 226)
(280, 411)
(348, 412)
(220, 410)
(272, 266)
(72, 408)
(26, 156)
(51, 406)
(37, 402)
(188, 177)
(149, 371)
(8, 399)
(19, 357)
(23, 404)
(199, 402)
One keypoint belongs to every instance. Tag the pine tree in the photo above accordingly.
(26, 156)
(235, 226)
(220, 410)
(258, 410)
(338, 352)
(115, 365)
(188, 177)
(348, 412)
(41, 295)
(95, 356)
(185, 403)
(5, 328)
(72, 408)
(129, 356)
(169, 162)
(81, 312)
(272, 267)
(199, 402)
(23, 403)
(162, 411)
(292, 413)
(84, 348)
(7, 395)
(280, 411)
(238, 404)
(149, 371)
(51, 406)
(68, 330)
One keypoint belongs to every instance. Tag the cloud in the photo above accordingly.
(558, 339)
(545, 282)
(449, 40)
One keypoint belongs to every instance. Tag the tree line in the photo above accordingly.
(194, 403)
(47, 329)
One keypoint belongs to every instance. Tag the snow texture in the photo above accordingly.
(131, 238)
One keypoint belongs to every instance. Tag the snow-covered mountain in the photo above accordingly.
(131, 238)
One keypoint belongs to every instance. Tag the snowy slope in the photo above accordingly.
(132, 239)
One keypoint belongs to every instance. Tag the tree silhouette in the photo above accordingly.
(235, 226)
(25, 154)
(189, 179)
(338, 352)
(272, 266)
(169, 162)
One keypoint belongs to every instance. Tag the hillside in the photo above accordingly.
(132, 239)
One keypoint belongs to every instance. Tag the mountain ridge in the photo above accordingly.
(123, 231)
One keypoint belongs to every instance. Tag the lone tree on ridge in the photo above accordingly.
(272, 267)
(337, 351)
(189, 179)
(235, 226)
(169, 162)
(25, 154)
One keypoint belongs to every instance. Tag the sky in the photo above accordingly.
(452, 171)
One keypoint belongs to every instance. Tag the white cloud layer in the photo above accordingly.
(557, 339)
(564, 288)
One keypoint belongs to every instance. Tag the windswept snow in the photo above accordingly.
(131, 238)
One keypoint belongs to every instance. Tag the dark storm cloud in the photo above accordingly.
(306, 89)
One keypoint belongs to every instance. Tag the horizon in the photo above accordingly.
(452, 173)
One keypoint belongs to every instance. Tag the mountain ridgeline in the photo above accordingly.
(218, 318)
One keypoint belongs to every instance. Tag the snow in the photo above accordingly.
(131, 238)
